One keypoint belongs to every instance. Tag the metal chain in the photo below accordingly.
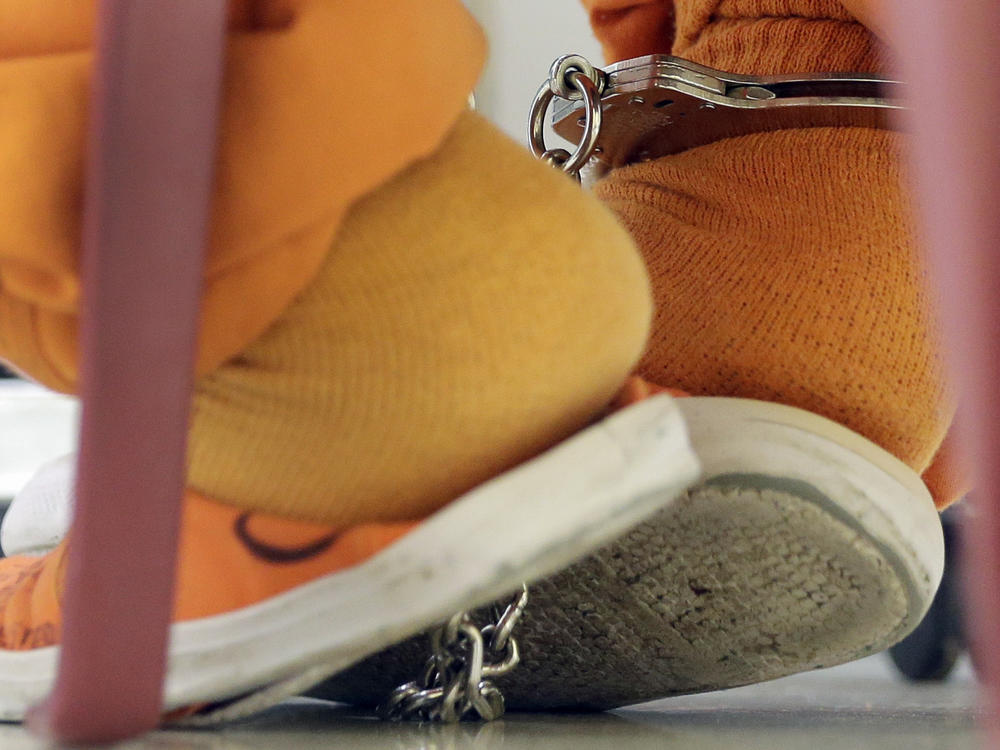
(571, 77)
(456, 683)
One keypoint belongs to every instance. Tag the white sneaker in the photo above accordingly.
(39, 515)
(804, 546)
(524, 524)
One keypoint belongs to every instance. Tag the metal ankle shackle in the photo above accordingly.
(648, 107)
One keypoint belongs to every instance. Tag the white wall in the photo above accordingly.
(525, 37)
(35, 426)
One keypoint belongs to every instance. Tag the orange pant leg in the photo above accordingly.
(783, 264)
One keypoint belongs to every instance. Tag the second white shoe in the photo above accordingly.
(804, 546)
(39, 516)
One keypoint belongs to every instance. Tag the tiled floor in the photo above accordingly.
(863, 705)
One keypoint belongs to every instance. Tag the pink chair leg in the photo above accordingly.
(950, 56)
(153, 141)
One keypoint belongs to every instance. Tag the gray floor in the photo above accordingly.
(862, 705)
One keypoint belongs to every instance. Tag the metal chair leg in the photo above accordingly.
(153, 142)
(951, 60)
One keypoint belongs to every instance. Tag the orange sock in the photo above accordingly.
(783, 264)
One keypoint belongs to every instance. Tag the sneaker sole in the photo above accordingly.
(804, 546)
(522, 525)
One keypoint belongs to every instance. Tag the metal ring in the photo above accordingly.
(511, 659)
(559, 76)
(474, 659)
(589, 91)
(448, 634)
(536, 119)
(506, 622)
(556, 157)
(487, 701)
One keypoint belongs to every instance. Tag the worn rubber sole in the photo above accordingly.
(522, 525)
(804, 546)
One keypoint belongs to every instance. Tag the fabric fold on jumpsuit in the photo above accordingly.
(317, 113)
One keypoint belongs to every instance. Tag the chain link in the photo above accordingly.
(456, 681)
(571, 77)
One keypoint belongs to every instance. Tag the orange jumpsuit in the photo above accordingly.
(782, 264)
